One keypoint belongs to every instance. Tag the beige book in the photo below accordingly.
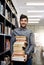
(21, 38)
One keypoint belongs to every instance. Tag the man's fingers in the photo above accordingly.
(25, 58)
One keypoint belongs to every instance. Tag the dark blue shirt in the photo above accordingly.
(24, 32)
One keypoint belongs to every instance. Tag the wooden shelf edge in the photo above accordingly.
(10, 9)
(4, 52)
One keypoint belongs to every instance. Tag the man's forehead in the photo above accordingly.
(24, 19)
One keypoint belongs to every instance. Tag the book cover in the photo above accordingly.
(7, 44)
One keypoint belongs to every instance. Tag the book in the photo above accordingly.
(2, 27)
(7, 44)
(9, 16)
(21, 38)
(1, 9)
(6, 14)
(6, 30)
(13, 21)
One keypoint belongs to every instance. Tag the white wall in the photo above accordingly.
(39, 34)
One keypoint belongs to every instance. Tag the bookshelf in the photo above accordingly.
(8, 22)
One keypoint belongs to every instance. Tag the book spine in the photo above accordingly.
(1, 9)
(9, 31)
(5, 30)
(13, 21)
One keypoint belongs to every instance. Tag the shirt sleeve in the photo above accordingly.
(12, 41)
(31, 44)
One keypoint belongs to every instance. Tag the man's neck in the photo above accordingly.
(23, 28)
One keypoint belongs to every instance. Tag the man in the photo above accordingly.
(23, 31)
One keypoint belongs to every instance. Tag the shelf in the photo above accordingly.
(8, 7)
(4, 52)
(5, 35)
(8, 23)
(8, 12)
(13, 6)
(2, 18)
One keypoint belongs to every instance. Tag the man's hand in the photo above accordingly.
(25, 58)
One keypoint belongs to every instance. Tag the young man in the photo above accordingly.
(22, 30)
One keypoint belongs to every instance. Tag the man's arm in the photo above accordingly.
(12, 41)
(31, 44)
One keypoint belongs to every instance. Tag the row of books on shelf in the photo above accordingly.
(5, 29)
(7, 14)
(4, 44)
(10, 5)
(8, 17)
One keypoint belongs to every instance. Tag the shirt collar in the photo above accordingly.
(22, 28)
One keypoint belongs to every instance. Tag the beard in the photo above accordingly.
(23, 26)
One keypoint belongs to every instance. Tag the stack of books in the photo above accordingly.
(18, 48)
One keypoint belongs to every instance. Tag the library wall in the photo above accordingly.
(39, 42)
(38, 31)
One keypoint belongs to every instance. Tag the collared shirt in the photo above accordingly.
(24, 32)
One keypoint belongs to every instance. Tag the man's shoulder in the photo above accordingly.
(29, 30)
(16, 29)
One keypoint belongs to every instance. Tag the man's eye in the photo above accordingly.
(25, 20)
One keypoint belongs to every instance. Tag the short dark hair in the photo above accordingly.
(23, 16)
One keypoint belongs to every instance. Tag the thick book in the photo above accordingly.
(2, 27)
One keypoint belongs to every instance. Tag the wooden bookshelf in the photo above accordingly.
(8, 17)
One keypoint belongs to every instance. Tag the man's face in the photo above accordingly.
(23, 22)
